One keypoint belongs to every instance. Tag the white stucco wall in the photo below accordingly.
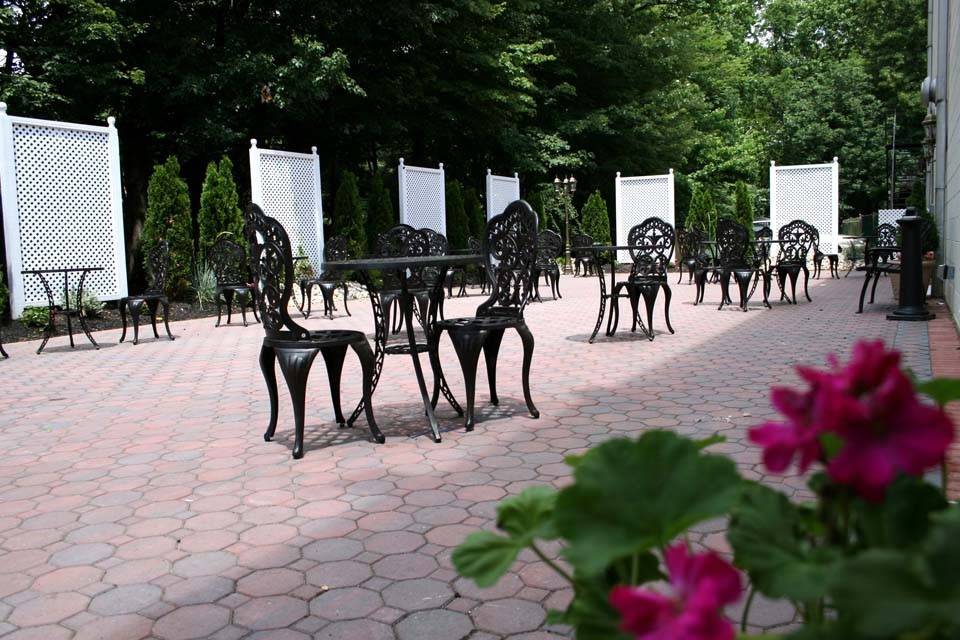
(951, 208)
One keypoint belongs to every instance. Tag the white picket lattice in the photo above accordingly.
(286, 185)
(641, 197)
(808, 192)
(501, 191)
(62, 206)
(423, 203)
(890, 216)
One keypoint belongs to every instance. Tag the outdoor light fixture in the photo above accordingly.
(568, 187)
(930, 127)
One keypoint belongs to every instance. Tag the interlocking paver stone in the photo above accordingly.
(168, 516)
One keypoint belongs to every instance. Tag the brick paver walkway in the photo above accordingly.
(138, 498)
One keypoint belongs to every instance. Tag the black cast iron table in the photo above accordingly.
(65, 309)
(404, 268)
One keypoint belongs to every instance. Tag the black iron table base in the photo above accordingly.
(65, 310)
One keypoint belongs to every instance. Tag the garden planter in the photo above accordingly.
(927, 267)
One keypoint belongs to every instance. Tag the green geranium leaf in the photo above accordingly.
(902, 520)
(709, 441)
(942, 390)
(485, 557)
(943, 551)
(630, 496)
(590, 613)
(529, 514)
(767, 534)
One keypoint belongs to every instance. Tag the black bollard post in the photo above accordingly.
(912, 296)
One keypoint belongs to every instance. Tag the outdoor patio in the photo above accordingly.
(138, 498)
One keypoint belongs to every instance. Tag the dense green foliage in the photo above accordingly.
(714, 89)
(380, 214)
(219, 205)
(595, 222)
(703, 212)
(168, 219)
(476, 213)
(743, 206)
(349, 218)
(458, 224)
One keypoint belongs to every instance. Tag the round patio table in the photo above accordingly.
(65, 309)
(407, 270)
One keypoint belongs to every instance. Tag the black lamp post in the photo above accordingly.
(565, 189)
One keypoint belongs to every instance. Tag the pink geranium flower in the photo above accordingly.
(702, 585)
(872, 408)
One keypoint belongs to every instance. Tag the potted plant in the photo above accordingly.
(873, 556)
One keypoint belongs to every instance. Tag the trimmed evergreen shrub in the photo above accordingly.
(703, 212)
(168, 219)
(595, 221)
(682, 192)
(219, 205)
(458, 224)
(349, 218)
(743, 206)
(381, 216)
(475, 213)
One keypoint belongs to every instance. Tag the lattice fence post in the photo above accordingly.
(501, 191)
(62, 205)
(423, 200)
(287, 187)
(637, 198)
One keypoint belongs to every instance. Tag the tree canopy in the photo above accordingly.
(714, 89)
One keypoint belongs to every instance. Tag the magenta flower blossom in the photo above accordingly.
(702, 585)
(871, 407)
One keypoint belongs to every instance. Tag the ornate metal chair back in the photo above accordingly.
(437, 244)
(580, 240)
(549, 248)
(796, 240)
(510, 250)
(335, 249)
(474, 245)
(733, 244)
(229, 262)
(402, 241)
(273, 274)
(690, 244)
(158, 261)
(651, 246)
(763, 248)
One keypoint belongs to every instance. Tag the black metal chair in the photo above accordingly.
(549, 248)
(230, 265)
(402, 241)
(584, 261)
(334, 249)
(796, 240)
(736, 258)
(652, 243)
(154, 296)
(286, 342)
(880, 252)
(510, 247)
(833, 259)
(690, 253)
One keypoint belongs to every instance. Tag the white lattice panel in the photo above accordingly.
(889, 216)
(286, 185)
(62, 206)
(639, 198)
(811, 193)
(423, 203)
(501, 191)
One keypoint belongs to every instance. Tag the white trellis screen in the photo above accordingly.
(808, 192)
(890, 216)
(62, 206)
(638, 198)
(286, 185)
(501, 191)
(423, 201)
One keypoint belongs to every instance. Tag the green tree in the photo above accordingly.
(349, 218)
(595, 221)
(168, 220)
(475, 213)
(458, 224)
(380, 214)
(535, 200)
(703, 212)
(743, 206)
(219, 205)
